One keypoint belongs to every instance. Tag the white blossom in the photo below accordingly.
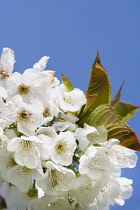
(125, 190)
(69, 101)
(28, 85)
(27, 151)
(27, 116)
(121, 156)
(63, 148)
(108, 193)
(7, 61)
(84, 191)
(56, 178)
(90, 135)
(94, 162)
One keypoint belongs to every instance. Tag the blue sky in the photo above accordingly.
(71, 32)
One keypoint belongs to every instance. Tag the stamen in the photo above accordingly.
(23, 89)
(27, 144)
(69, 100)
(3, 74)
(46, 112)
(61, 147)
(24, 115)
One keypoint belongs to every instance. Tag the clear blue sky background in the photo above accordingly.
(71, 32)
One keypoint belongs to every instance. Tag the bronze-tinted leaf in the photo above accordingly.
(105, 115)
(126, 110)
(124, 134)
(99, 84)
(67, 83)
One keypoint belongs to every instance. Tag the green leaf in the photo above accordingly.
(101, 116)
(105, 115)
(99, 84)
(116, 99)
(67, 83)
(126, 110)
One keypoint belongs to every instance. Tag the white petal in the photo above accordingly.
(41, 65)
(7, 59)
(20, 176)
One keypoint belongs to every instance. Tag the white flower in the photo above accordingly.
(90, 135)
(6, 65)
(50, 109)
(125, 190)
(63, 148)
(29, 85)
(69, 101)
(56, 178)
(21, 176)
(28, 151)
(7, 59)
(108, 193)
(94, 162)
(74, 99)
(47, 135)
(49, 74)
(84, 191)
(121, 156)
(27, 116)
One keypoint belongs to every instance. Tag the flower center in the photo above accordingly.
(23, 89)
(3, 74)
(69, 100)
(4, 100)
(46, 112)
(60, 147)
(92, 136)
(27, 144)
(54, 177)
(24, 115)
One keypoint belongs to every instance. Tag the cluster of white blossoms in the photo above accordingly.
(46, 160)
